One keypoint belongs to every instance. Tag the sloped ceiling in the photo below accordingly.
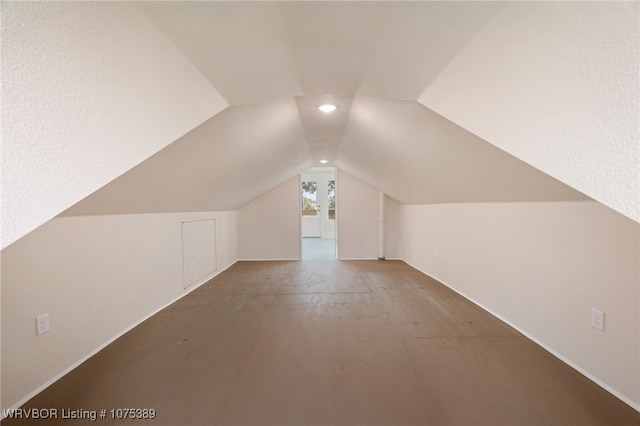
(556, 84)
(419, 157)
(229, 160)
(274, 62)
(260, 51)
(89, 90)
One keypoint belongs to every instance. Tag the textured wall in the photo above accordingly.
(89, 90)
(556, 85)
(115, 269)
(543, 267)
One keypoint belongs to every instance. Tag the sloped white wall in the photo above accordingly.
(222, 164)
(114, 269)
(419, 157)
(269, 226)
(555, 84)
(89, 90)
(542, 267)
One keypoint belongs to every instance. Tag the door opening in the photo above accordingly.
(318, 222)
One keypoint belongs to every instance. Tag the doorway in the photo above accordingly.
(318, 207)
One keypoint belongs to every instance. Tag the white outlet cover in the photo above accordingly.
(597, 319)
(42, 324)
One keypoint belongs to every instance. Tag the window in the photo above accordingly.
(309, 198)
(331, 187)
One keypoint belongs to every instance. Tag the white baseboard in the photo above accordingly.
(357, 258)
(267, 260)
(75, 365)
(603, 385)
(370, 258)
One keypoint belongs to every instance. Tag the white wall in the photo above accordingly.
(117, 269)
(269, 226)
(357, 216)
(89, 90)
(542, 267)
(392, 228)
(555, 84)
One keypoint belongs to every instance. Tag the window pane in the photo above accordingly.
(309, 198)
(332, 199)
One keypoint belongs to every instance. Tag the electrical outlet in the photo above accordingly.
(597, 319)
(42, 324)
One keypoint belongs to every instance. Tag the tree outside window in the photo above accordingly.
(332, 199)
(309, 198)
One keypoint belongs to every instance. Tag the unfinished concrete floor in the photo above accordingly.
(330, 343)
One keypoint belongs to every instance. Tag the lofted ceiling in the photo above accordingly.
(275, 62)
(260, 51)
(438, 102)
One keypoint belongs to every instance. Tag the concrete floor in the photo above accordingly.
(330, 343)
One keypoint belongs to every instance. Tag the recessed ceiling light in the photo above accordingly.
(324, 161)
(327, 107)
